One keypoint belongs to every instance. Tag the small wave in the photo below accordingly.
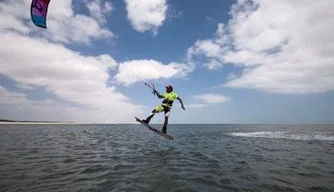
(286, 135)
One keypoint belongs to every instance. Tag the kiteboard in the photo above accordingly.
(155, 130)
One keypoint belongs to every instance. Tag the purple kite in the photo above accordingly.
(38, 10)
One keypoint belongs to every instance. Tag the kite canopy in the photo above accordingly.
(38, 10)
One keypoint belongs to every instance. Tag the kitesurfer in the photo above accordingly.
(165, 106)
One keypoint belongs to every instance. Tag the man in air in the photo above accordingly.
(166, 105)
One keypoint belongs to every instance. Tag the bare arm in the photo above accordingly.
(182, 106)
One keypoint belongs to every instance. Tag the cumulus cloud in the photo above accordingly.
(63, 24)
(282, 46)
(17, 106)
(9, 97)
(146, 15)
(212, 98)
(99, 10)
(36, 59)
(131, 71)
(25, 109)
(195, 105)
(68, 75)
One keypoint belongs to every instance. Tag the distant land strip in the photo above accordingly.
(16, 121)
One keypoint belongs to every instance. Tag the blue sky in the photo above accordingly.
(230, 61)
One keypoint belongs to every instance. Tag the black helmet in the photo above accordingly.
(169, 88)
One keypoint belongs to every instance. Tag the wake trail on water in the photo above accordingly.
(321, 136)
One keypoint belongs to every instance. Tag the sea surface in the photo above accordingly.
(133, 158)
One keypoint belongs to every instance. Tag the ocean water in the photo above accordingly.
(133, 158)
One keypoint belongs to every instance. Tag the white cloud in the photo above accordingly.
(9, 97)
(207, 47)
(99, 10)
(283, 45)
(63, 25)
(146, 15)
(12, 15)
(212, 98)
(77, 82)
(195, 105)
(16, 106)
(130, 71)
(73, 77)
(66, 26)
(212, 49)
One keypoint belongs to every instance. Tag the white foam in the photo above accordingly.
(286, 135)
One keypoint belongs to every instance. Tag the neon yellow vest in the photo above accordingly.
(169, 99)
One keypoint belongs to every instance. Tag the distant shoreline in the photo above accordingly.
(33, 123)
(6, 121)
(13, 122)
